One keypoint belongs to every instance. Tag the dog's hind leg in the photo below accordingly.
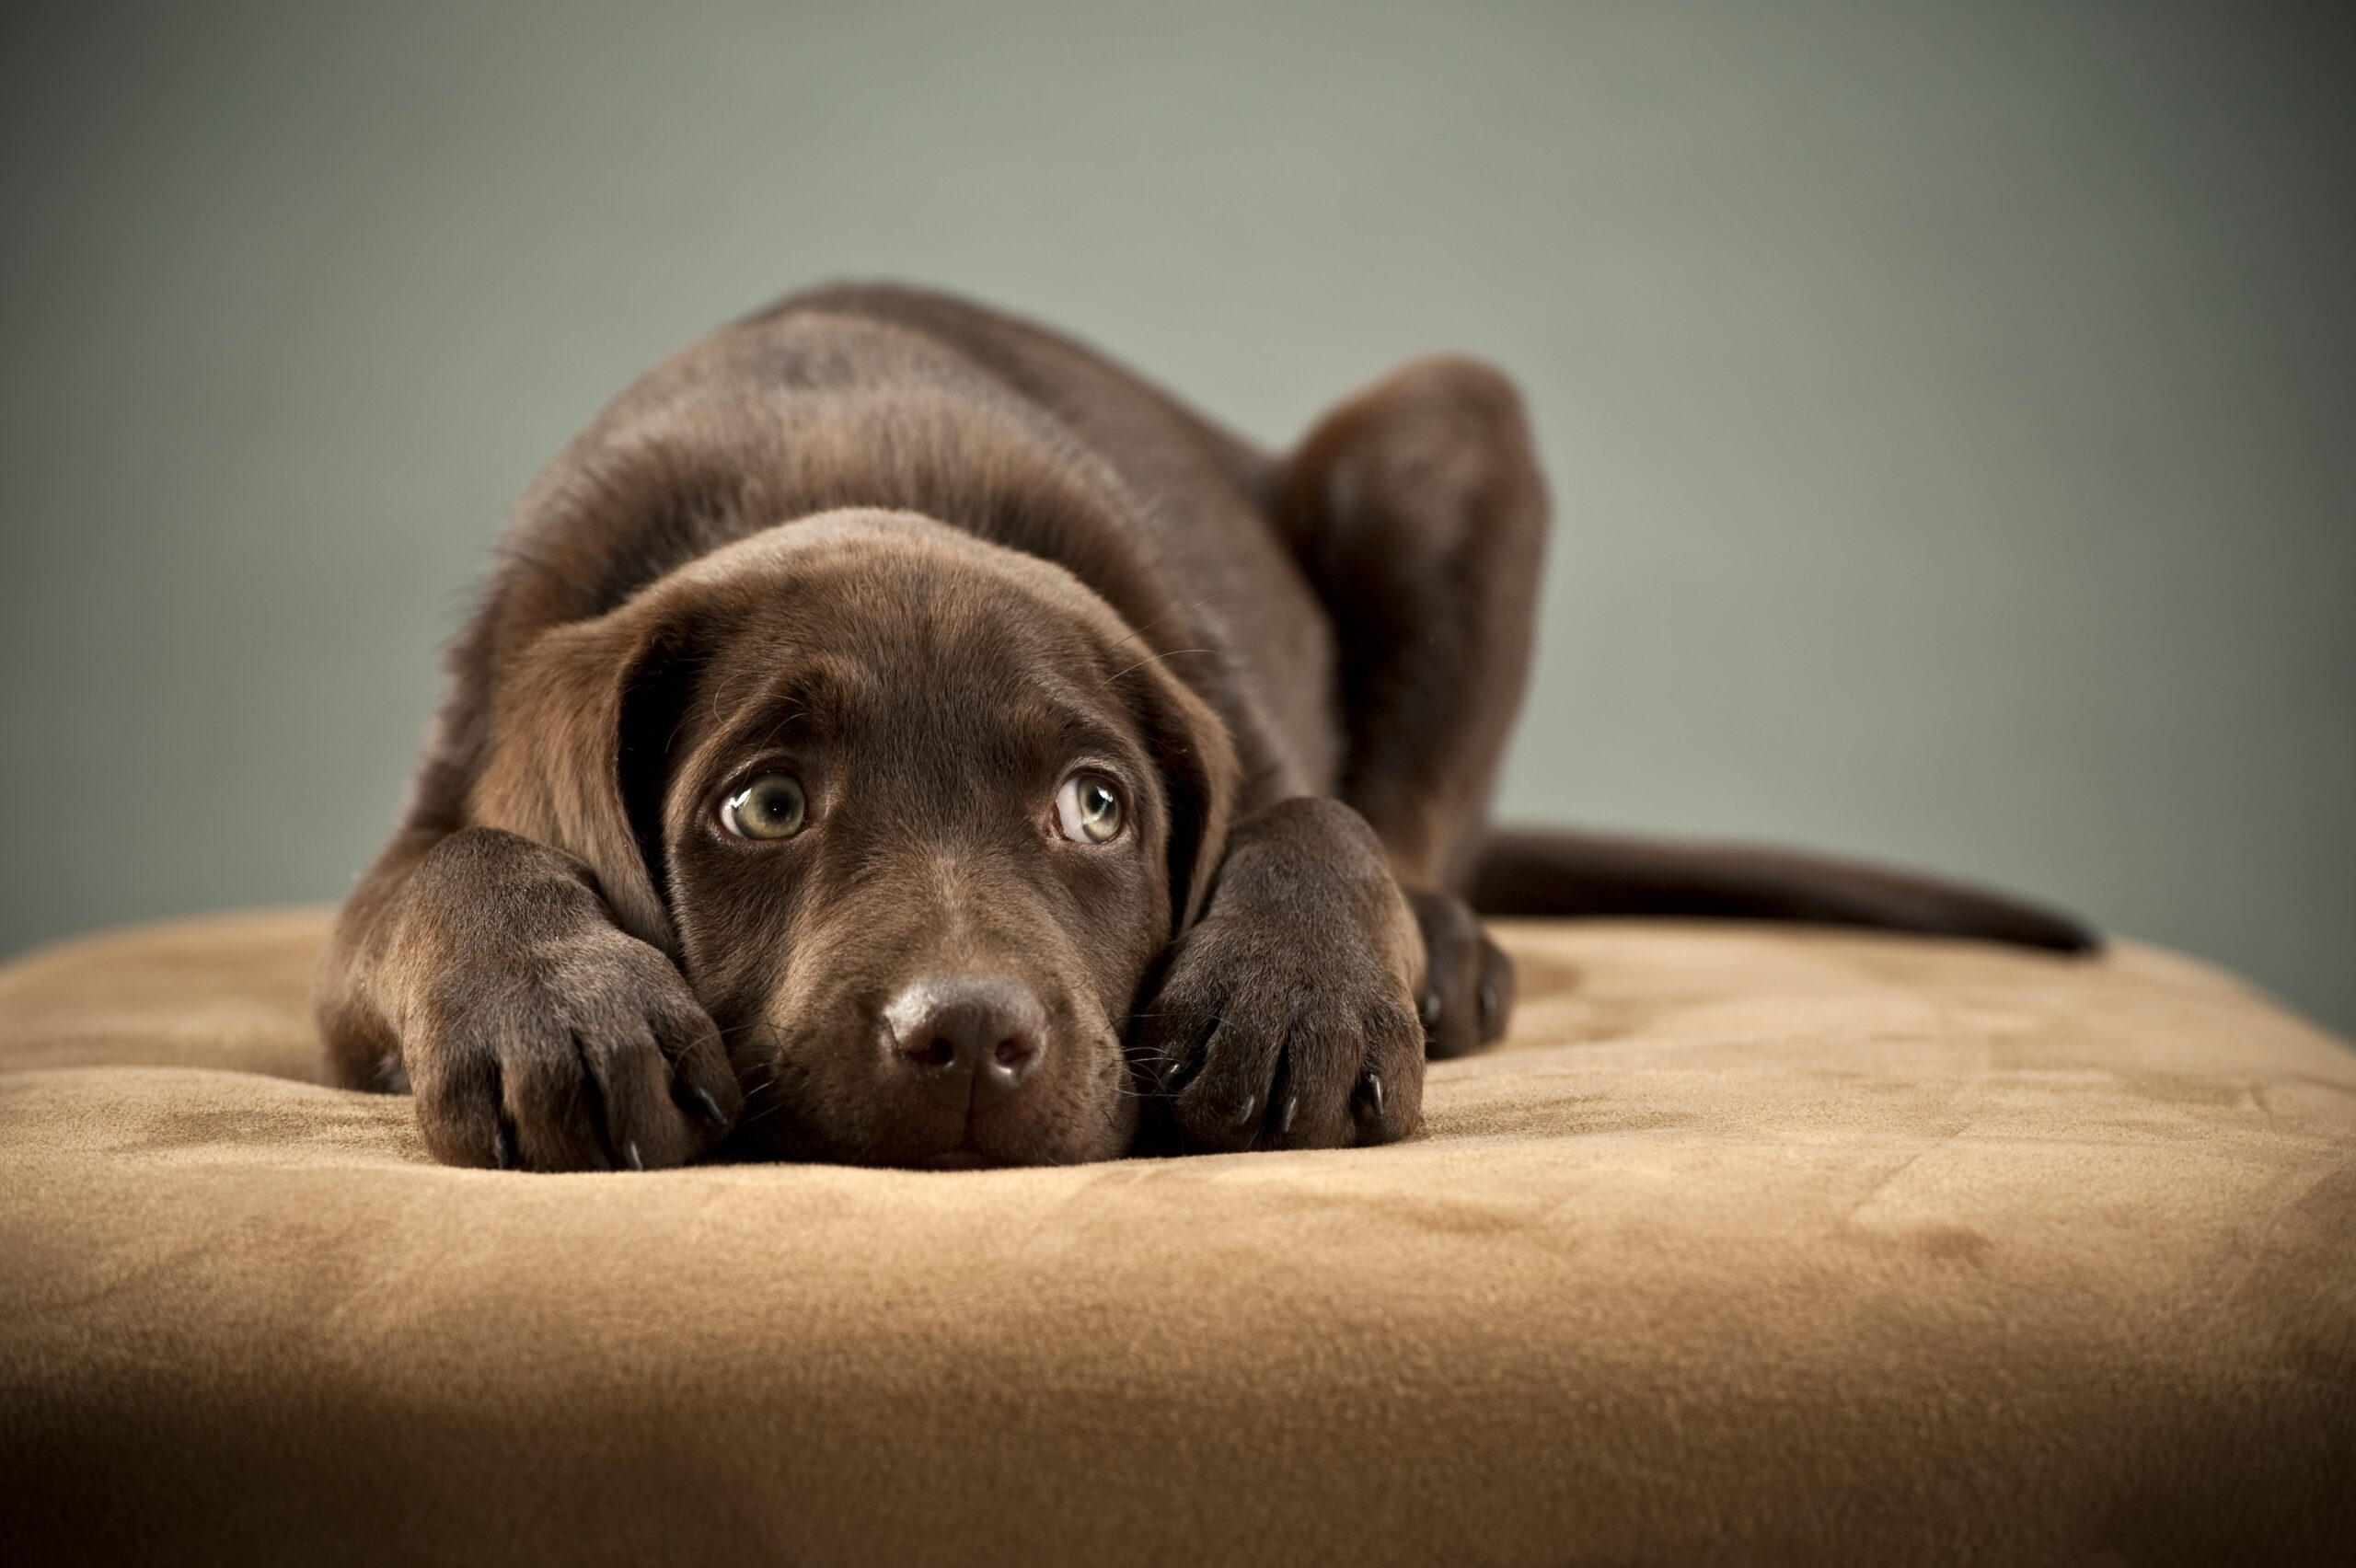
(1417, 510)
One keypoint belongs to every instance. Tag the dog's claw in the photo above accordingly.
(1284, 1122)
(708, 1108)
(1371, 1091)
(629, 1152)
(1243, 1113)
(503, 1147)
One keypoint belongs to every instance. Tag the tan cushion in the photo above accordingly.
(1752, 1245)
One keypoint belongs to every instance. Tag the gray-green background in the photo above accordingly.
(1949, 408)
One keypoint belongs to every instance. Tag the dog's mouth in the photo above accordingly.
(949, 1104)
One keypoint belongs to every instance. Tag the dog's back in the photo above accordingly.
(895, 398)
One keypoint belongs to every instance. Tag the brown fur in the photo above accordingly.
(929, 562)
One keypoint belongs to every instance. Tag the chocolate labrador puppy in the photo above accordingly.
(895, 734)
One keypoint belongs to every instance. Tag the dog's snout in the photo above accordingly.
(969, 1037)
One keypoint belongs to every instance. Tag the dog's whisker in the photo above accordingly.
(1179, 610)
(1152, 658)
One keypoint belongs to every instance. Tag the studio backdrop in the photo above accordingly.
(1947, 407)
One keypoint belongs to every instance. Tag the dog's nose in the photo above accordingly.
(970, 1037)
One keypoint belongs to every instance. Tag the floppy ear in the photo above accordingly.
(580, 752)
(1189, 744)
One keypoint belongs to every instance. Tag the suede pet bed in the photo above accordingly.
(1752, 1245)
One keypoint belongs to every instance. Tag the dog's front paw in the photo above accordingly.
(1286, 1017)
(537, 1034)
(1468, 980)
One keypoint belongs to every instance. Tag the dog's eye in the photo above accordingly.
(1087, 809)
(770, 807)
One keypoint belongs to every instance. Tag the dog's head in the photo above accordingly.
(915, 814)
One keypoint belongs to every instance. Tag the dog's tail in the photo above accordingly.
(1525, 872)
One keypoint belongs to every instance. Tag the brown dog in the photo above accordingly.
(895, 734)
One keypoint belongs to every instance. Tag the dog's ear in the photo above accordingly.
(580, 751)
(1190, 746)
